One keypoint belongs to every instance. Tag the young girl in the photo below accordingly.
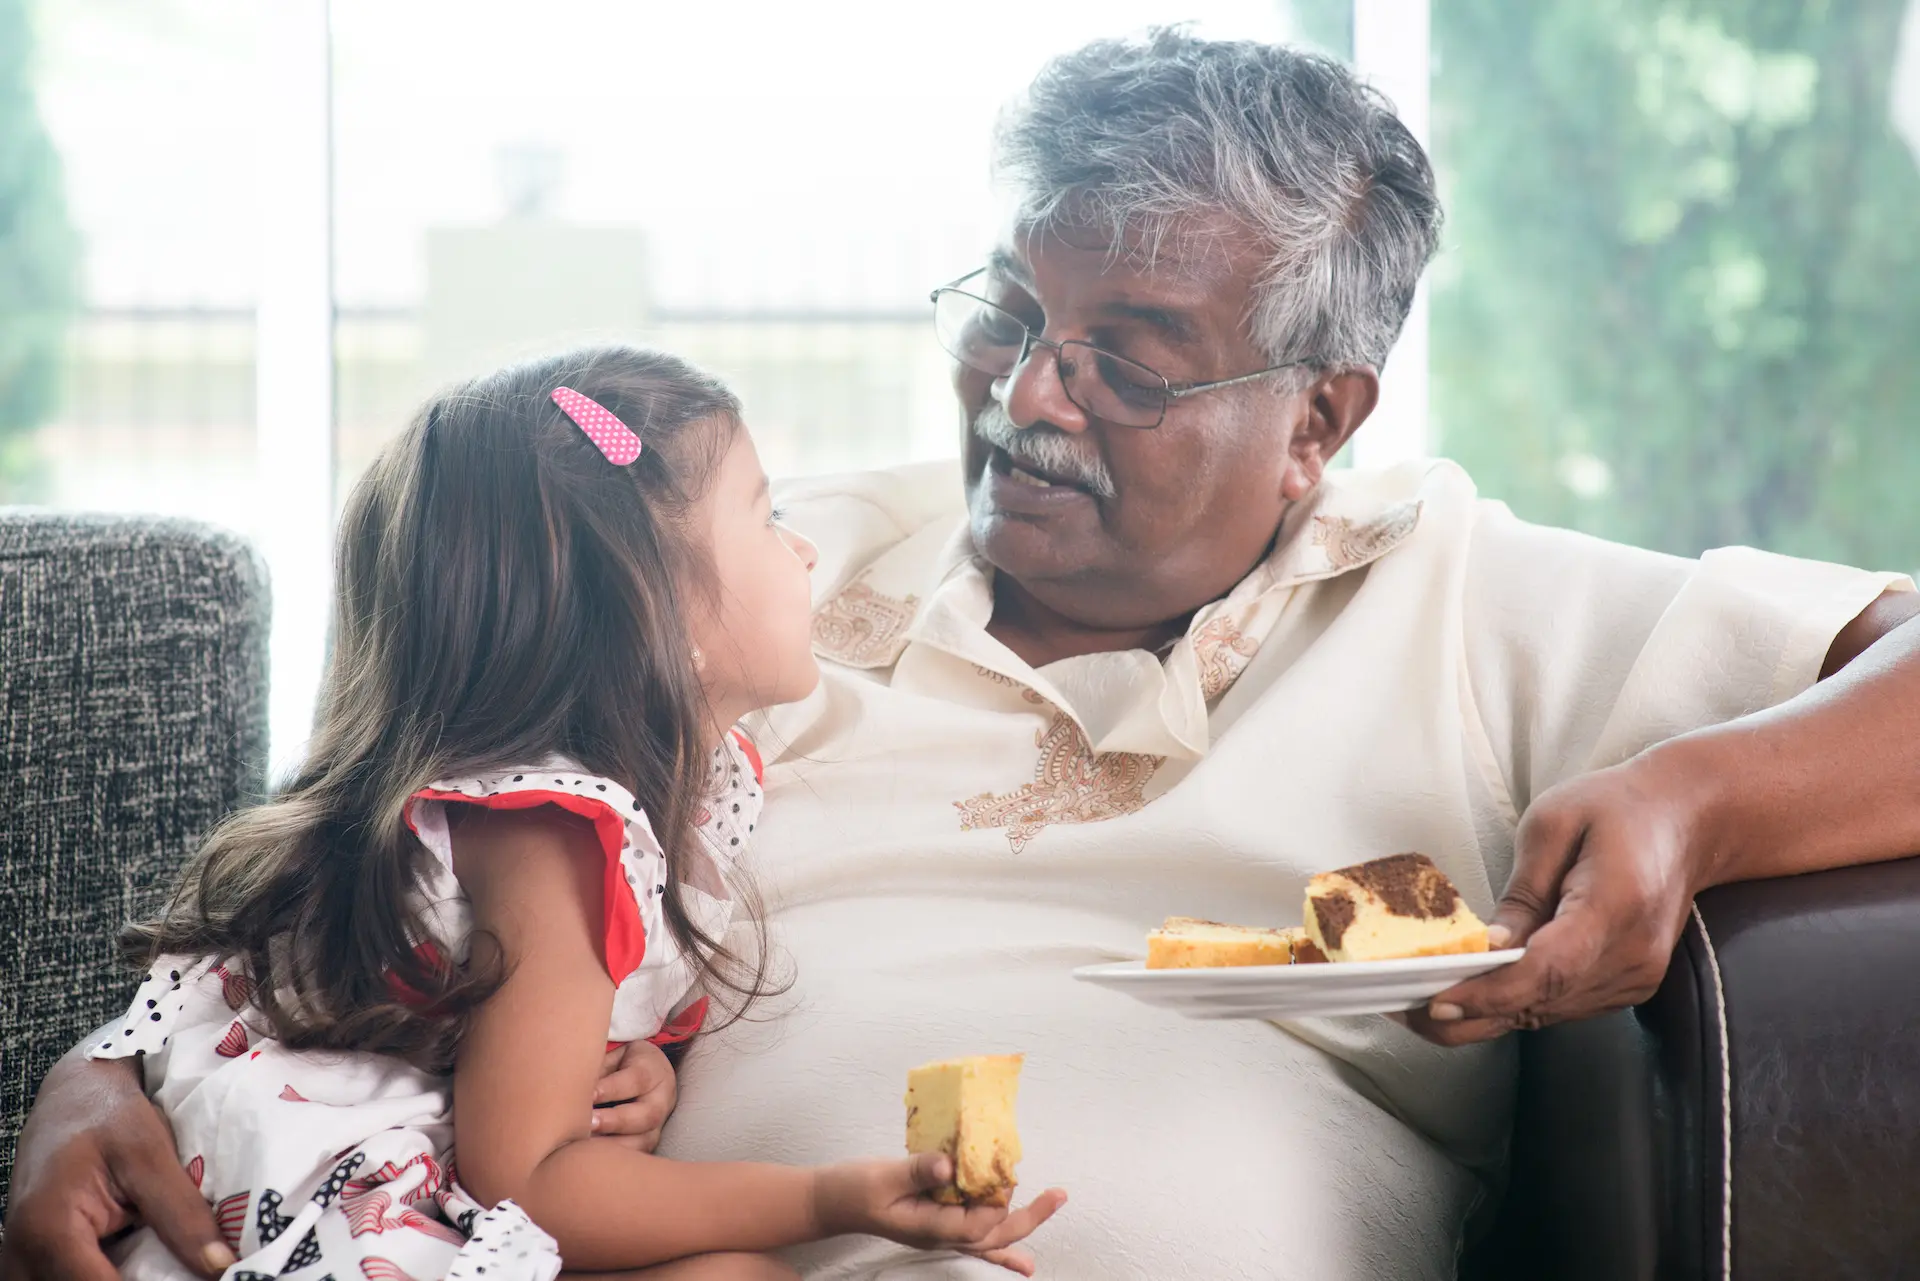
(509, 847)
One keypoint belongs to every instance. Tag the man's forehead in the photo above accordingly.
(1190, 284)
(1185, 283)
(1188, 263)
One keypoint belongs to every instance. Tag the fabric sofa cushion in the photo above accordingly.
(133, 684)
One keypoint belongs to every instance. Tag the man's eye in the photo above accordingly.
(998, 328)
(1133, 383)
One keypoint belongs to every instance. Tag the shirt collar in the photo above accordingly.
(933, 588)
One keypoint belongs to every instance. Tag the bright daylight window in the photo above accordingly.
(1678, 302)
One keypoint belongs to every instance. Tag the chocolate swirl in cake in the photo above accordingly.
(1409, 884)
(1334, 912)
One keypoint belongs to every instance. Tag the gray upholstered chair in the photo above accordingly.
(133, 681)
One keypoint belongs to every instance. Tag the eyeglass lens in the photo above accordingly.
(993, 340)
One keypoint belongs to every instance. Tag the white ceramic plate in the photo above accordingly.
(1295, 991)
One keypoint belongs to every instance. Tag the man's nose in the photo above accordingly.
(1035, 393)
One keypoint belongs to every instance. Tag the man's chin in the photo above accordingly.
(1030, 546)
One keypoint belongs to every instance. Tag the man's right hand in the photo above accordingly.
(95, 1158)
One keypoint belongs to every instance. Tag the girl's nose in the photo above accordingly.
(802, 547)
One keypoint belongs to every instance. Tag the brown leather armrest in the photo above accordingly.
(1764, 1107)
(1821, 976)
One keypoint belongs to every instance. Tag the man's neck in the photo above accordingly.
(1040, 634)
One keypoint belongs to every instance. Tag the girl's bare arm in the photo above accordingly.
(523, 1088)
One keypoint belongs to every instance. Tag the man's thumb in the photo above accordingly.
(1545, 847)
(173, 1207)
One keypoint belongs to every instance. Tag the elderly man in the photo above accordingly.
(1164, 661)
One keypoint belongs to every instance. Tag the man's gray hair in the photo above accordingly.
(1138, 135)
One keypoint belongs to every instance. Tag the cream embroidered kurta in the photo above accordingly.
(951, 832)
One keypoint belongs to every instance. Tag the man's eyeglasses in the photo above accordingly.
(985, 336)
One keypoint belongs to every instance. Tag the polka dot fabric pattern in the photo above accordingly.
(608, 434)
(132, 719)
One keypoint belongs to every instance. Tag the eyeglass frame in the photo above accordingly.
(1169, 391)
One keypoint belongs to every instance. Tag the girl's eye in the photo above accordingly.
(778, 516)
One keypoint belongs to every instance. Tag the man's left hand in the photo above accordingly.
(635, 1095)
(1601, 888)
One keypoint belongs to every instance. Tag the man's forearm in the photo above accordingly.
(1828, 779)
(78, 1086)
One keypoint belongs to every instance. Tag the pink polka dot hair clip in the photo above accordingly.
(608, 434)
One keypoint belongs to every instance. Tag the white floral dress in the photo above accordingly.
(340, 1167)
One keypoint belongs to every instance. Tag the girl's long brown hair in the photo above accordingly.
(503, 593)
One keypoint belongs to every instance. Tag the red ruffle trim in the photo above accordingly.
(753, 757)
(624, 939)
(682, 1026)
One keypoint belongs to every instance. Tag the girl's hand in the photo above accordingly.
(634, 1096)
(889, 1199)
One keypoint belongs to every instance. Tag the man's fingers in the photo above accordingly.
(1565, 952)
(69, 1252)
(1552, 981)
(170, 1204)
(1547, 844)
(1457, 1032)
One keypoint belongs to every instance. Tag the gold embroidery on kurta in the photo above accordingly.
(1221, 651)
(862, 628)
(1071, 784)
(1348, 543)
(1001, 678)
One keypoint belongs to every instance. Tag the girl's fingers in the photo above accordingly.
(629, 1071)
(644, 1114)
(622, 1085)
(1017, 1261)
(1021, 1223)
(926, 1171)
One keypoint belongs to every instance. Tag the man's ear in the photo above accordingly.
(1335, 406)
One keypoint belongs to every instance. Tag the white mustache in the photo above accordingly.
(1045, 449)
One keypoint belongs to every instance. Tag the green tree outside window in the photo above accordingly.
(38, 257)
(1680, 299)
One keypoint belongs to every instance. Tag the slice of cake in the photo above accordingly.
(1304, 952)
(964, 1108)
(1388, 908)
(1187, 943)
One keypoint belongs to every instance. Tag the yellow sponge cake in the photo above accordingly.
(964, 1108)
(1186, 942)
(1388, 908)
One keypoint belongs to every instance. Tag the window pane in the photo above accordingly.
(765, 188)
(1680, 299)
(126, 334)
